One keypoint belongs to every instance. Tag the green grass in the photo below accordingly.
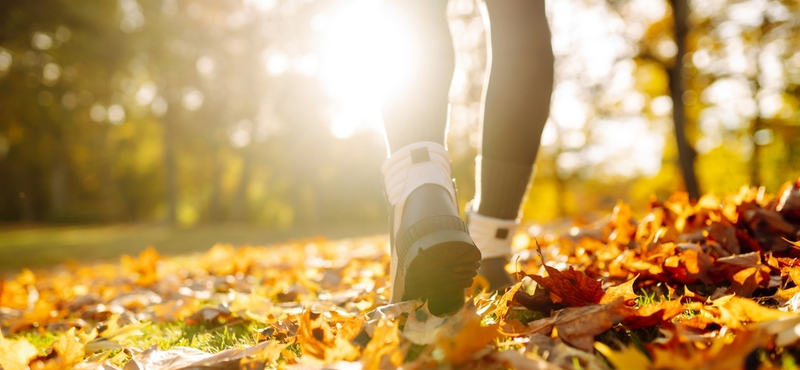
(206, 338)
(648, 297)
(41, 246)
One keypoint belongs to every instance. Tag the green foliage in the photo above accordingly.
(165, 111)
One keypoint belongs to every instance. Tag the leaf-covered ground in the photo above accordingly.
(709, 285)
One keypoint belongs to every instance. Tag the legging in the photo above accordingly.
(516, 96)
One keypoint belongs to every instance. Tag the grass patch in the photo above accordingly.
(203, 337)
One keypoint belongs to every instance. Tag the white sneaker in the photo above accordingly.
(433, 256)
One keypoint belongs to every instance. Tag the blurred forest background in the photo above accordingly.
(197, 112)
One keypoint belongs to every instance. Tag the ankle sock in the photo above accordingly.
(500, 188)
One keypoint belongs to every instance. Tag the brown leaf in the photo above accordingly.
(577, 326)
(538, 301)
(746, 281)
(572, 287)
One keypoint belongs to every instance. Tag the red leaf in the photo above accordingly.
(571, 287)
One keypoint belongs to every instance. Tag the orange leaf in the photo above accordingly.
(654, 314)
(572, 287)
(471, 338)
(624, 290)
(317, 339)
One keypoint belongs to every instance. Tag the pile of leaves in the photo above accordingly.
(711, 284)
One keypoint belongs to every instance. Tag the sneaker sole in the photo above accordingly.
(443, 264)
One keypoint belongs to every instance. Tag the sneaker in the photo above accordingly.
(493, 237)
(433, 256)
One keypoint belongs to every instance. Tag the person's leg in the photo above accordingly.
(417, 111)
(516, 107)
(433, 257)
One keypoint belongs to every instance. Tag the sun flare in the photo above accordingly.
(366, 55)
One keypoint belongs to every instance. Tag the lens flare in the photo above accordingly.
(366, 55)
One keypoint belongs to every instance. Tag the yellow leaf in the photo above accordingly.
(471, 338)
(383, 351)
(629, 358)
(69, 351)
(15, 354)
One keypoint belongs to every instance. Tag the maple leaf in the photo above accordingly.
(69, 351)
(318, 340)
(571, 287)
(653, 314)
(733, 311)
(744, 271)
(15, 354)
(382, 351)
(624, 290)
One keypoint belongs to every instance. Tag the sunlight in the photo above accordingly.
(366, 55)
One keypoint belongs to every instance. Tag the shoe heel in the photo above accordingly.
(437, 255)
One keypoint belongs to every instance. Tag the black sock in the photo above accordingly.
(502, 188)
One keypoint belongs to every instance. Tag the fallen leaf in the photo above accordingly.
(318, 340)
(523, 361)
(422, 327)
(144, 270)
(577, 326)
(382, 351)
(735, 310)
(723, 353)
(69, 351)
(624, 290)
(571, 287)
(185, 358)
(466, 337)
(653, 314)
(15, 354)
(629, 358)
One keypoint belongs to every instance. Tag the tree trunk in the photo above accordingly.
(239, 206)
(170, 181)
(215, 203)
(686, 154)
(58, 188)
